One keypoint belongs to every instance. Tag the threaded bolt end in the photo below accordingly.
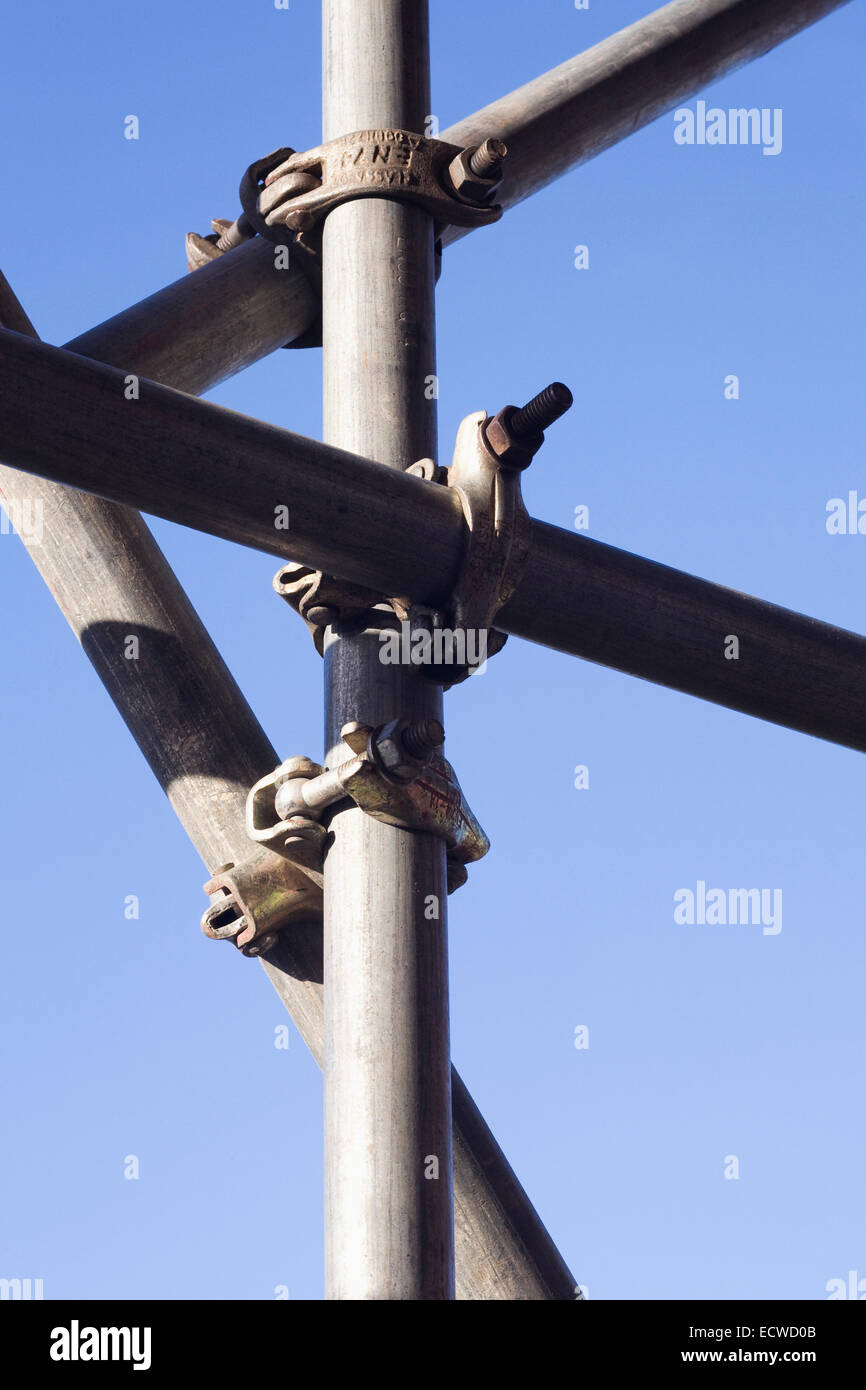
(485, 161)
(542, 410)
(423, 737)
(235, 235)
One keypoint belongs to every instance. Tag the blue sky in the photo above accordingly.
(140, 1037)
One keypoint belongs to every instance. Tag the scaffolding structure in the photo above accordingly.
(336, 875)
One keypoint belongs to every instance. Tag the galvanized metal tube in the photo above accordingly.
(592, 101)
(388, 1163)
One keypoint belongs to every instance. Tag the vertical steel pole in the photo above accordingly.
(388, 1187)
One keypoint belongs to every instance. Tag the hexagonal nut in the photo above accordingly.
(511, 452)
(468, 186)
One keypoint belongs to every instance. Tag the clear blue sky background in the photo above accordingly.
(140, 1037)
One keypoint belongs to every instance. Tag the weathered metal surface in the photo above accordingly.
(515, 435)
(382, 163)
(68, 418)
(475, 175)
(395, 776)
(497, 522)
(388, 1226)
(254, 182)
(206, 327)
(394, 780)
(63, 415)
(226, 236)
(321, 599)
(203, 328)
(300, 838)
(432, 803)
(593, 101)
(253, 900)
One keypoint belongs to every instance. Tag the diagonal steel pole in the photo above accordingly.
(206, 327)
(206, 748)
(64, 416)
(240, 307)
(388, 1160)
(593, 101)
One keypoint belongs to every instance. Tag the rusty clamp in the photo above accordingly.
(297, 190)
(489, 456)
(394, 774)
(322, 599)
(252, 901)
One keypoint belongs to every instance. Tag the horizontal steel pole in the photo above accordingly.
(206, 748)
(67, 418)
(620, 610)
(175, 456)
(592, 101)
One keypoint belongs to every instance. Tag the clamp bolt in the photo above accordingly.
(486, 161)
(236, 234)
(401, 748)
(422, 738)
(542, 410)
(515, 436)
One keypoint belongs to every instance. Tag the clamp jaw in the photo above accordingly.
(489, 456)
(252, 901)
(296, 191)
(287, 192)
(394, 774)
